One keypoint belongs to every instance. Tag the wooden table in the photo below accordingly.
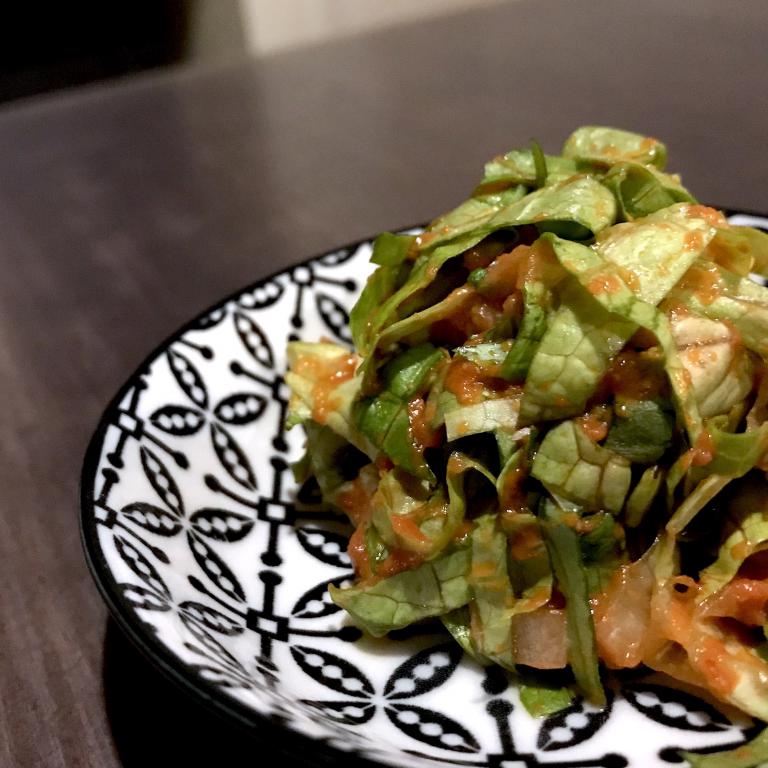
(127, 208)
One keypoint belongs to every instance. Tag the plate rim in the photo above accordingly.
(211, 697)
(159, 655)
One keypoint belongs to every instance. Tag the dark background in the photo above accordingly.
(46, 46)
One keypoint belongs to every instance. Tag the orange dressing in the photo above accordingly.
(481, 571)
(635, 375)
(327, 375)
(630, 278)
(704, 450)
(741, 599)
(541, 265)
(712, 216)
(358, 553)
(405, 528)
(711, 658)
(418, 417)
(693, 241)
(526, 542)
(355, 501)
(501, 275)
(397, 561)
(603, 283)
(593, 426)
(704, 281)
(512, 498)
(464, 382)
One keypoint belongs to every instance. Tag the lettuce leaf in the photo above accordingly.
(642, 189)
(739, 249)
(519, 167)
(469, 218)
(606, 146)
(754, 241)
(399, 493)
(384, 419)
(488, 353)
(581, 339)
(529, 568)
(601, 270)
(415, 328)
(486, 416)
(579, 207)
(381, 302)
(405, 376)
(458, 623)
(328, 459)
(338, 400)
(392, 250)
(431, 589)
(534, 324)
(641, 431)
(491, 591)
(658, 249)
(542, 700)
(569, 464)
(734, 453)
(565, 554)
(643, 494)
(744, 534)
(738, 300)
(720, 371)
(379, 288)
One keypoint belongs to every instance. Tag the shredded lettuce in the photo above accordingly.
(573, 466)
(552, 433)
(492, 595)
(432, 589)
(567, 564)
(607, 146)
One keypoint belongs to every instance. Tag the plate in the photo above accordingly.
(214, 564)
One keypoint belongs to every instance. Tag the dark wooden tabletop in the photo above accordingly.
(126, 209)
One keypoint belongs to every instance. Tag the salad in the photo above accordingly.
(552, 431)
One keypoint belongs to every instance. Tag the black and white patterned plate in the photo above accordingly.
(207, 558)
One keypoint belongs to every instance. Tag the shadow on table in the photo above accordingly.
(155, 722)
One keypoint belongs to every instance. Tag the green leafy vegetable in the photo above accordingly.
(570, 464)
(581, 339)
(643, 495)
(534, 324)
(519, 167)
(553, 431)
(384, 419)
(642, 189)
(642, 431)
(457, 622)
(541, 700)
(432, 589)
(392, 250)
(565, 554)
(492, 594)
(608, 146)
